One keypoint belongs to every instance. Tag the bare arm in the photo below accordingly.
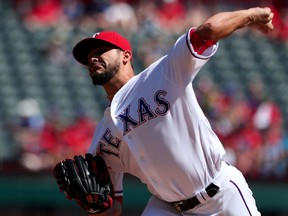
(223, 24)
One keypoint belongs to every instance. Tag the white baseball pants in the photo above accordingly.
(234, 199)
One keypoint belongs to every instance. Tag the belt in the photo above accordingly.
(192, 202)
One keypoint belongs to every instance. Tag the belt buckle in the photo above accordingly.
(177, 207)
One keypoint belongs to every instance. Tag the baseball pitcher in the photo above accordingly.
(155, 129)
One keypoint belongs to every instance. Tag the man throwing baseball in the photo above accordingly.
(154, 128)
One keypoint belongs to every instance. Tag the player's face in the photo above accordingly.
(104, 64)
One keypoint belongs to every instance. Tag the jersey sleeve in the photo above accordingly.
(188, 55)
(117, 180)
(116, 177)
(94, 144)
(201, 48)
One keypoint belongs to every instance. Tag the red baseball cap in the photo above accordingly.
(85, 46)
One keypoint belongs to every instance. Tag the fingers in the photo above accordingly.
(270, 25)
(267, 9)
(268, 21)
(271, 15)
(262, 19)
(261, 15)
(270, 18)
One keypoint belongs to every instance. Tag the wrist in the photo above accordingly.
(251, 16)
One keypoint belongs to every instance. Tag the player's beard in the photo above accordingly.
(104, 77)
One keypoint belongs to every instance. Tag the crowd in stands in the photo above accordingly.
(45, 140)
(250, 128)
(171, 16)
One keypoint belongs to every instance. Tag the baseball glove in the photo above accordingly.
(85, 177)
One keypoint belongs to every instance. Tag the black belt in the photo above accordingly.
(192, 202)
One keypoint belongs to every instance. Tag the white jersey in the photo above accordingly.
(156, 130)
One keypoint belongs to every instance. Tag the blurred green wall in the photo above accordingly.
(39, 195)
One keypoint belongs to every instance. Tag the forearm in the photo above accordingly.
(223, 24)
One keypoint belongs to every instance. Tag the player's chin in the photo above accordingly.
(100, 79)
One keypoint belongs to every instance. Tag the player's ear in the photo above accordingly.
(127, 56)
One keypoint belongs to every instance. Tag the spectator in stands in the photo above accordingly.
(267, 118)
(51, 140)
(61, 140)
(43, 14)
(122, 15)
(29, 124)
(78, 135)
(170, 13)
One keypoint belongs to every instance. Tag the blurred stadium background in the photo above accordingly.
(49, 107)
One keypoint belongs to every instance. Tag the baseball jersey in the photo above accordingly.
(155, 129)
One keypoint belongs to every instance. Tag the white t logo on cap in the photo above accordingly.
(98, 33)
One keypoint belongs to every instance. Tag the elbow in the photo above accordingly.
(208, 31)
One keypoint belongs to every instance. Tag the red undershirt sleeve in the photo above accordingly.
(119, 199)
(199, 44)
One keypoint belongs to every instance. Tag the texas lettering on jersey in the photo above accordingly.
(145, 113)
(111, 141)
